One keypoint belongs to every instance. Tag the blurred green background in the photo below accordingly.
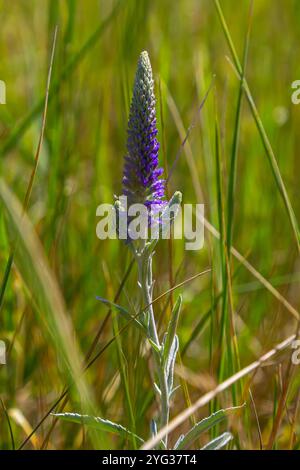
(80, 166)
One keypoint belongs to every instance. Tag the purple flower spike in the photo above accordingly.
(141, 176)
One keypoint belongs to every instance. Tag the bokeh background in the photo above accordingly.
(80, 166)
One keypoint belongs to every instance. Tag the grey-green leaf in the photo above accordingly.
(219, 442)
(181, 437)
(155, 346)
(97, 423)
(169, 369)
(172, 327)
(168, 215)
(204, 425)
(123, 311)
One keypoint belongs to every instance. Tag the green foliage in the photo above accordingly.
(98, 423)
(50, 319)
(219, 442)
(204, 425)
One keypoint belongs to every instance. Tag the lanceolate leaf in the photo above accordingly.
(97, 423)
(155, 346)
(171, 332)
(171, 210)
(218, 442)
(181, 437)
(203, 426)
(168, 216)
(169, 370)
(123, 311)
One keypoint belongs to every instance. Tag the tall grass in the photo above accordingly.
(226, 119)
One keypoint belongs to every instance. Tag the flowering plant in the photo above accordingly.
(143, 185)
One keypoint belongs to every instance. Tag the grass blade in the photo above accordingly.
(33, 172)
(68, 69)
(264, 138)
(33, 266)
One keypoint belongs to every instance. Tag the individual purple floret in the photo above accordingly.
(141, 176)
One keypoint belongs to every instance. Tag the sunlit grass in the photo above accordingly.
(240, 160)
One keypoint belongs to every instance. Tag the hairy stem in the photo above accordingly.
(144, 260)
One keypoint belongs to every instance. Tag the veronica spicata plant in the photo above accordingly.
(143, 184)
(141, 179)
